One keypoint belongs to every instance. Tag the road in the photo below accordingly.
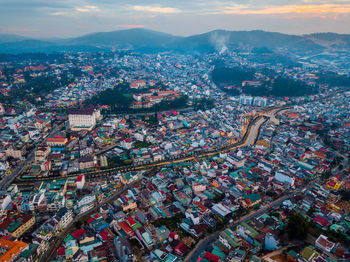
(209, 240)
(7, 180)
(247, 139)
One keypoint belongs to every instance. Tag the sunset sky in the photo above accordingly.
(67, 18)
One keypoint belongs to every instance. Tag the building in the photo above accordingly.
(17, 225)
(324, 244)
(260, 101)
(42, 153)
(57, 141)
(15, 151)
(285, 179)
(86, 162)
(245, 100)
(84, 118)
(5, 200)
(10, 250)
(62, 218)
(124, 250)
(138, 84)
(80, 181)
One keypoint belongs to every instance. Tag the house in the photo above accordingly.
(251, 200)
(123, 249)
(42, 153)
(138, 84)
(57, 141)
(86, 162)
(181, 249)
(80, 181)
(285, 179)
(16, 225)
(62, 218)
(10, 250)
(126, 143)
(220, 210)
(324, 244)
(5, 200)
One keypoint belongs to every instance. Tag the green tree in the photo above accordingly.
(297, 227)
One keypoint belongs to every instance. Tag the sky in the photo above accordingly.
(70, 18)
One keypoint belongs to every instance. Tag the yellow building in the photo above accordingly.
(26, 225)
(17, 225)
(334, 184)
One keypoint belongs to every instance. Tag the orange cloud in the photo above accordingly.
(289, 9)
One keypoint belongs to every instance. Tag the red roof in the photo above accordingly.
(321, 221)
(61, 251)
(181, 248)
(131, 221)
(90, 220)
(77, 233)
(80, 178)
(212, 257)
(125, 227)
(104, 235)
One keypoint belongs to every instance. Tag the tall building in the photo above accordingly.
(245, 100)
(83, 118)
(260, 101)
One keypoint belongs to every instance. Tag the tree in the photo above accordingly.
(297, 227)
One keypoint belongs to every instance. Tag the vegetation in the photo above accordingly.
(170, 223)
(234, 76)
(297, 227)
(117, 97)
(120, 98)
(283, 86)
(140, 144)
(345, 195)
(203, 104)
(333, 79)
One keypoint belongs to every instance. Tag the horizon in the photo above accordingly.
(144, 28)
(64, 19)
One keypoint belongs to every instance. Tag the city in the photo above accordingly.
(237, 153)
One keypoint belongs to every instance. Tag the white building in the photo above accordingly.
(285, 178)
(80, 181)
(84, 118)
(62, 218)
(4, 201)
(86, 200)
(324, 244)
(245, 100)
(260, 101)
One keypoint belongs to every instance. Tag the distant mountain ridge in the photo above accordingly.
(145, 40)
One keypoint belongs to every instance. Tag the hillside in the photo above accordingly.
(144, 40)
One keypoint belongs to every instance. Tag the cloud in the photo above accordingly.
(58, 13)
(87, 9)
(288, 9)
(156, 9)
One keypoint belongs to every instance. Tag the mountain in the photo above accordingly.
(219, 39)
(138, 39)
(332, 40)
(39, 46)
(7, 38)
(144, 40)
